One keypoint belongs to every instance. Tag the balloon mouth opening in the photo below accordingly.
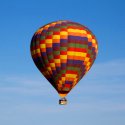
(63, 101)
(62, 95)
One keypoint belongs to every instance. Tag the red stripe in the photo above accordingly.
(32, 48)
(77, 49)
(93, 37)
(63, 75)
(63, 29)
(63, 52)
(90, 60)
(88, 32)
(35, 47)
(42, 69)
(71, 72)
(88, 55)
(81, 28)
(51, 61)
(42, 41)
(67, 85)
(47, 65)
(56, 56)
(56, 33)
(49, 37)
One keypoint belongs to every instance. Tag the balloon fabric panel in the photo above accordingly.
(64, 52)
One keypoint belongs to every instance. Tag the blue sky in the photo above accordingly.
(27, 98)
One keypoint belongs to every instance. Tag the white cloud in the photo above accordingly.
(114, 68)
(104, 78)
(24, 85)
(102, 90)
(45, 108)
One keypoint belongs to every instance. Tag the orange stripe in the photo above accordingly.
(43, 49)
(69, 79)
(75, 34)
(36, 55)
(63, 36)
(48, 44)
(56, 41)
(63, 60)
(75, 57)
(58, 64)
(90, 39)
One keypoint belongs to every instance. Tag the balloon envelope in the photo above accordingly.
(63, 51)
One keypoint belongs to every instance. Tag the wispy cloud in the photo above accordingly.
(24, 85)
(103, 77)
(99, 92)
(41, 108)
(114, 68)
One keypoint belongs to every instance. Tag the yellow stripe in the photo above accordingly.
(88, 68)
(89, 36)
(72, 53)
(63, 78)
(52, 64)
(42, 45)
(57, 60)
(56, 36)
(75, 82)
(39, 30)
(35, 51)
(87, 59)
(75, 79)
(77, 31)
(53, 23)
(71, 75)
(63, 33)
(93, 41)
(46, 26)
(49, 69)
(48, 40)
(96, 46)
(60, 82)
(88, 63)
(63, 56)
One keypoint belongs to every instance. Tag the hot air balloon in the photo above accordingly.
(63, 51)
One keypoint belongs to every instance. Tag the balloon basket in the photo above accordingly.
(63, 101)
